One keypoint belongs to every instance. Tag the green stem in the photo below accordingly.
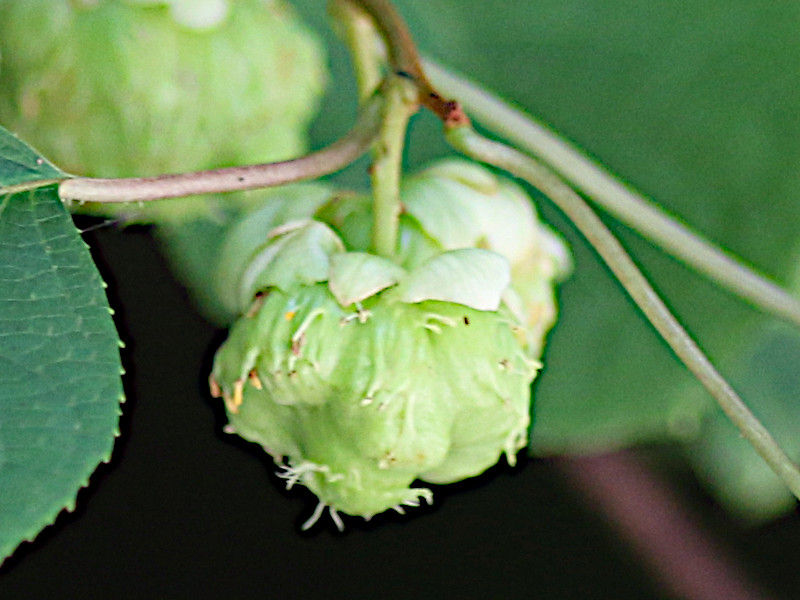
(358, 32)
(328, 160)
(361, 36)
(400, 94)
(643, 215)
(466, 140)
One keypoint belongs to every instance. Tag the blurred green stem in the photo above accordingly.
(358, 32)
(403, 55)
(469, 142)
(607, 191)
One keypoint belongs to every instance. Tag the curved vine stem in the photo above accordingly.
(328, 160)
(468, 141)
(607, 191)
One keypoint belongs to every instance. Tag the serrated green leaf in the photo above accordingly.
(60, 371)
(20, 164)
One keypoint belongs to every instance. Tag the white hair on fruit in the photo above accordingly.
(337, 520)
(315, 516)
(294, 474)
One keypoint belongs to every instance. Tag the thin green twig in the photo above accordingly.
(607, 191)
(328, 160)
(361, 23)
(387, 163)
(357, 30)
(466, 140)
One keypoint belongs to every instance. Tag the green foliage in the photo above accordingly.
(21, 164)
(699, 109)
(59, 364)
(165, 99)
(768, 376)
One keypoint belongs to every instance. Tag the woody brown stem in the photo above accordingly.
(405, 58)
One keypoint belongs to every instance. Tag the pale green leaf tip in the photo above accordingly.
(356, 276)
(299, 254)
(470, 276)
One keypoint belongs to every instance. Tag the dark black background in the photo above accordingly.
(184, 511)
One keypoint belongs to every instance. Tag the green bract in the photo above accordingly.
(122, 88)
(366, 374)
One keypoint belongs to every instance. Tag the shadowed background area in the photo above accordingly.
(184, 511)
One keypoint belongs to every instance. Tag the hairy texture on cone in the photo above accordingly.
(359, 374)
(363, 406)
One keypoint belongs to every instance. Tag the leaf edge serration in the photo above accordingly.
(99, 446)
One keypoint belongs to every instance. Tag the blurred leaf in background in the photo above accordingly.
(770, 379)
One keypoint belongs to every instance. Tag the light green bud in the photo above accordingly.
(365, 374)
(462, 204)
(459, 204)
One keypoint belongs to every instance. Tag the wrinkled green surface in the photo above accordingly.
(330, 389)
(696, 104)
(59, 365)
(365, 374)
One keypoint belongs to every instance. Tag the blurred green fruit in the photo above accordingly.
(112, 88)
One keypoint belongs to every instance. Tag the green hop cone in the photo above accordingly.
(360, 375)
(365, 403)
(115, 88)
